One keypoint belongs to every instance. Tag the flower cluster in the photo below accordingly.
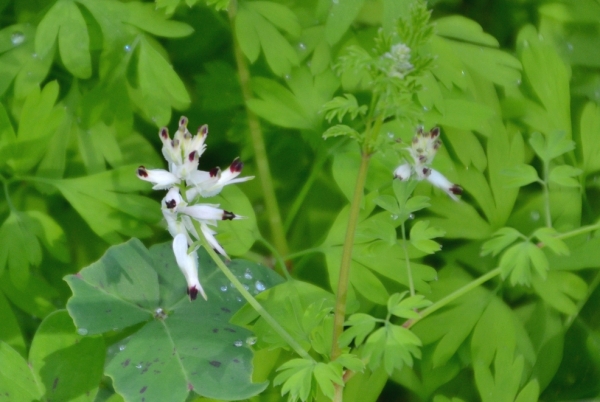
(422, 150)
(186, 218)
(397, 61)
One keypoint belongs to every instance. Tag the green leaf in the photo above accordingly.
(180, 345)
(563, 175)
(342, 105)
(392, 346)
(561, 290)
(21, 248)
(464, 29)
(287, 303)
(10, 332)
(502, 239)
(278, 105)
(145, 17)
(530, 392)
(542, 65)
(520, 175)
(421, 234)
(341, 129)
(360, 326)
(518, 260)
(341, 15)
(296, 377)
(160, 88)
(548, 237)
(588, 131)
(279, 15)
(69, 365)
(551, 146)
(246, 34)
(452, 216)
(408, 307)
(351, 362)
(17, 380)
(105, 202)
(327, 375)
(65, 21)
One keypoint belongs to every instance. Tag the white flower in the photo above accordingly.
(422, 150)
(188, 263)
(208, 184)
(184, 183)
(161, 178)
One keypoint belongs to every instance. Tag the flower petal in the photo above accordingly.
(209, 234)
(403, 172)
(161, 178)
(440, 181)
(188, 264)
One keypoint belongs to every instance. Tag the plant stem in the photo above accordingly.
(344, 278)
(411, 285)
(547, 196)
(453, 296)
(258, 143)
(255, 304)
(581, 230)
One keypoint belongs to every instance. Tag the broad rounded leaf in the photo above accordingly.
(181, 345)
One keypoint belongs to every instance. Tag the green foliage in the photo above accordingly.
(163, 358)
(493, 297)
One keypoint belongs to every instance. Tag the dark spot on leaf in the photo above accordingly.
(215, 330)
(190, 386)
(215, 363)
(144, 388)
(156, 360)
(229, 329)
(126, 363)
(109, 311)
(55, 383)
(236, 360)
(156, 371)
(225, 309)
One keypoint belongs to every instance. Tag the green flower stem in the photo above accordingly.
(344, 278)
(255, 304)
(316, 170)
(547, 196)
(258, 143)
(581, 230)
(453, 296)
(277, 256)
(302, 253)
(411, 285)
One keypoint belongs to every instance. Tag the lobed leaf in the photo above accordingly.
(564, 176)
(180, 345)
(520, 175)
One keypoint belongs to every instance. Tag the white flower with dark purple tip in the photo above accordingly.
(161, 178)
(188, 264)
(187, 221)
(422, 150)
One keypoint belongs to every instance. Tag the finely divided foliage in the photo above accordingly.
(423, 224)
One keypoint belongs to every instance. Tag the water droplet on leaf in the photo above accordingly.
(301, 46)
(224, 288)
(535, 215)
(122, 348)
(251, 340)
(237, 344)
(259, 286)
(411, 216)
(16, 38)
(394, 217)
(247, 275)
(138, 366)
(127, 48)
(82, 331)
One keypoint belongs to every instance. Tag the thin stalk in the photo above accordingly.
(258, 143)
(316, 169)
(581, 230)
(547, 196)
(302, 253)
(453, 296)
(411, 285)
(278, 258)
(344, 278)
(255, 304)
